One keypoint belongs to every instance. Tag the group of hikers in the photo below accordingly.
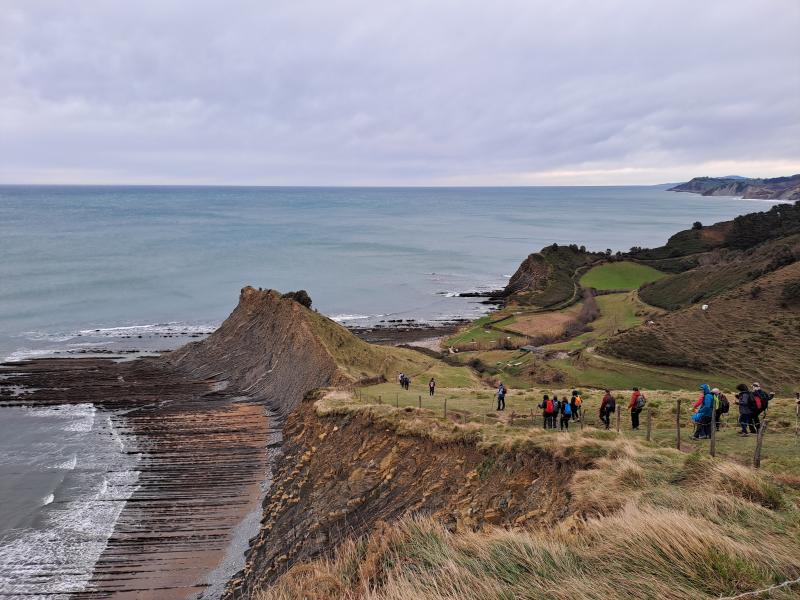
(708, 409)
(405, 382)
(564, 410)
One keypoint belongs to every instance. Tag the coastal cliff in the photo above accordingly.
(777, 188)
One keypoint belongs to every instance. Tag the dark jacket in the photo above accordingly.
(746, 403)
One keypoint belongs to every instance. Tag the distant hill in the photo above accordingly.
(777, 188)
(746, 273)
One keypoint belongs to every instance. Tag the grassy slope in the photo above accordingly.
(721, 271)
(362, 360)
(623, 275)
(643, 522)
(750, 338)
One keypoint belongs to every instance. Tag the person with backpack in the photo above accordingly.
(548, 407)
(746, 403)
(721, 406)
(636, 406)
(607, 406)
(704, 413)
(565, 410)
(432, 387)
(501, 396)
(761, 399)
(575, 404)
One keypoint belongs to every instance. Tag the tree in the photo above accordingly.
(697, 225)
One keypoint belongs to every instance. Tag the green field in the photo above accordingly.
(620, 276)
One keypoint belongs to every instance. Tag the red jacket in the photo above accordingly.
(699, 401)
(634, 398)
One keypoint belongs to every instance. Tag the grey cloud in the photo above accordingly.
(395, 92)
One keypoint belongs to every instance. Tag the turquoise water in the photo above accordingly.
(77, 259)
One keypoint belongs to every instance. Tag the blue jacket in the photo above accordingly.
(707, 408)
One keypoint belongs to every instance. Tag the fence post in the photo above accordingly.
(759, 442)
(678, 425)
(713, 446)
(380, 399)
(649, 424)
(397, 400)
(445, 408)
(465, 418)
(420, 401)
(511, 418)
(619, 417)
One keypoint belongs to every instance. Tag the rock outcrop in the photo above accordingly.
(777, 188)
(269, 348)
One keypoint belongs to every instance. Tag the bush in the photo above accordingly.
(755, 291)
(791, 293)
(697, 225)
(300, 296)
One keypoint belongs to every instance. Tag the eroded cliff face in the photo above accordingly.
(344, 475)
(530, 276)
(266, 349)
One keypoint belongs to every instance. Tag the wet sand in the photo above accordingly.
(203, 467)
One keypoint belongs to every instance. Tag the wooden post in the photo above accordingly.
(465, 418)
(759, 442)
(420, 401)
(619, 417)
(649, 424)
(678, 425)
(445, 408)
(397, 400)
(712, 448)
(380, 399)
(511, 418)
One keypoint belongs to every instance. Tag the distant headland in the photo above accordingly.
(777, 188)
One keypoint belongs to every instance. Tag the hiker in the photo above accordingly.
(501, 396)
(401, 379)
(407, 381)
(432, 386)
(547, 406)
(704, 413)
(565, 410)
(576, 403)
(548, 412)
(746, 408)
(607, 406)
(721, 406)
(761, 399)
(636, 405)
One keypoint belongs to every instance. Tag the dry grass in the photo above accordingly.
(644, 522)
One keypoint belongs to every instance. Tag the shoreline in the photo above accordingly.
(204, 464)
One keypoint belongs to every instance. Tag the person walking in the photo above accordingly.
(761, 399)
(636, 405)
(401, 379)
(501, 396)
(575, 403)
(432, 387)
(607, 406)
(704, 413)
(744, 399)
(721, 406)
(548, 410)
(565, 411)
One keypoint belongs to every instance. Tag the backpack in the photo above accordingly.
(724, 405)
(548, 407)
(612, 405)
(567, 409)
(640, 402)
(764, 397)
(578, 401)
(757, 400)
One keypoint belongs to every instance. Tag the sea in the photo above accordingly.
(92, 269)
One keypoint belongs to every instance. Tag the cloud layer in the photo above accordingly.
(445, 92)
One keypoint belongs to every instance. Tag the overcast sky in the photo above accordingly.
(398, 92)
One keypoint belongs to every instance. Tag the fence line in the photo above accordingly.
(534, 419)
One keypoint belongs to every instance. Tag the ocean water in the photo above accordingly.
(64, 479)
(82, 267)
(88, 268)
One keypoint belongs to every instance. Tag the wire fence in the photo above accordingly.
(651, 427)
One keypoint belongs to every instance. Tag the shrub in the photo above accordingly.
(791, 293)
(697, 225)
(300, 296)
